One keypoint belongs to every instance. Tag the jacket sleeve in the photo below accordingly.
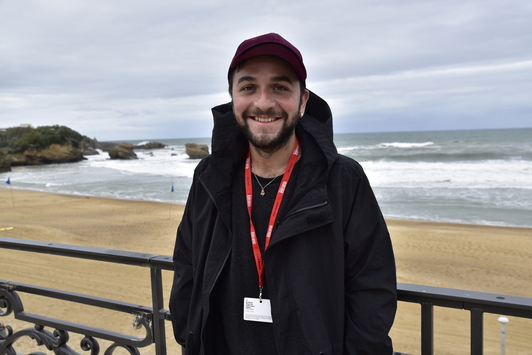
(181, 293)
(370, 277)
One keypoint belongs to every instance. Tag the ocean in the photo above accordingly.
(471, 176)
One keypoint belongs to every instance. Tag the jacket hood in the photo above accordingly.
(316, 123)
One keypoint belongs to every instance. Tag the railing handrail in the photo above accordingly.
(427, 296)
(84, 252)
(464, 299)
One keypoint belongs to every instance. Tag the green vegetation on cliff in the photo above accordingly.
(18, 139)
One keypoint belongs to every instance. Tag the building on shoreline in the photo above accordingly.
(23, 125)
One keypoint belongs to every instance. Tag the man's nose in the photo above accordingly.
(264, 100)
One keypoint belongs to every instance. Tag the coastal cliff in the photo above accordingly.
(5, 165)
(53, 154)
(26, 145)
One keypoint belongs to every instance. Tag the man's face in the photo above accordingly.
(267, 101)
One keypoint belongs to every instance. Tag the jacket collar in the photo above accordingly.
(229, 143)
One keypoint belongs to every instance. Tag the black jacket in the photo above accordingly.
(330, 266)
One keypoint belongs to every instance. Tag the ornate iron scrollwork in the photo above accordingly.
(57, 340)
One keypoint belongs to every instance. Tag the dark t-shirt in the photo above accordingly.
(239, 277)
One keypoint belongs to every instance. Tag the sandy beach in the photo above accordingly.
(471, 257)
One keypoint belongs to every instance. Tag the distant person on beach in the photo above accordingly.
(282, 248)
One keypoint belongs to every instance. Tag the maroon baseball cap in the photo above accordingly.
(270, 44)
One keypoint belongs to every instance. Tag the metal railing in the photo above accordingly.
(153, 318)
(477, 303)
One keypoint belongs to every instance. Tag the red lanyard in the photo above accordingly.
(275, 210)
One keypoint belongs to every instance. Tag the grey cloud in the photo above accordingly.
(152, 67)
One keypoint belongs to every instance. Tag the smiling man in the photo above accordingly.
(282, 248)
(268, 102)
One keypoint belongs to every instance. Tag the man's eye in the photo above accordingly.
(247, 88)
(281, 88)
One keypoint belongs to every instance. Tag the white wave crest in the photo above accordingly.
(406, 145)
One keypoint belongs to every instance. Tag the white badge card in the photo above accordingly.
(257, 311)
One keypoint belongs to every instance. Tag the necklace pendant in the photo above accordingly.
(262, 193)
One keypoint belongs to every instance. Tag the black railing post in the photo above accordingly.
(159, 335)
(477, 331)
(427, 328)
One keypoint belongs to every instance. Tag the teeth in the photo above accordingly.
(264, 120)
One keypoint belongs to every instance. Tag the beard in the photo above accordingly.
(269, 145)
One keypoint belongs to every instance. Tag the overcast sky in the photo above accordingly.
(132, 69)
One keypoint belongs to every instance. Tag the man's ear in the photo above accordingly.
(304, 99)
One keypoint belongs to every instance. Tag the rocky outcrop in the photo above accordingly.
(105, 146)
(5, 164)
(89, 144)
(197, 151)
(54, 154)
(94, 144)
(151, 145)
(90, 151)
(17, 159)
(123, 151)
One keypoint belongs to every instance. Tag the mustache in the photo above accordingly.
(269, 113)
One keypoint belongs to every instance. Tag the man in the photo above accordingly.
(282, 248)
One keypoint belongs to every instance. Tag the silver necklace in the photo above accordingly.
(262, 193)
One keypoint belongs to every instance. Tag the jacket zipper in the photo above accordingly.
(223, 264)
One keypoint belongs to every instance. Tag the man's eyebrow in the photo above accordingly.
(245, 78)
(282, 78)
(275, 79)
